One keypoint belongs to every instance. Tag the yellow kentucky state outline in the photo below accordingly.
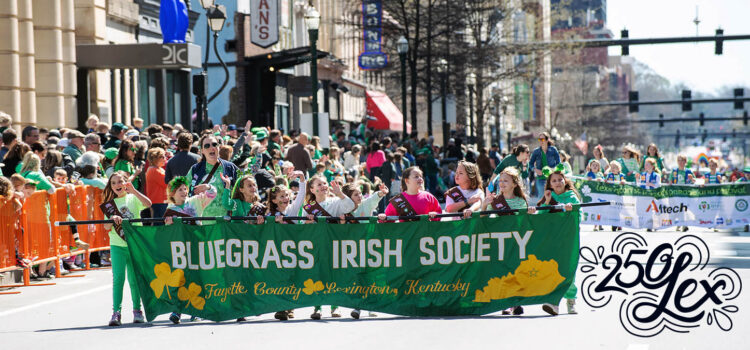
(532, 277)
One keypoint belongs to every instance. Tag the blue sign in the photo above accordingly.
(372, 56)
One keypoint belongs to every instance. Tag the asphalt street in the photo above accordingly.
(74, 314)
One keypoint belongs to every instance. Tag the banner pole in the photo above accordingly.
(359, 218)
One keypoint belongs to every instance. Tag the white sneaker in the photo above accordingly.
(551, 309)
(572, 306)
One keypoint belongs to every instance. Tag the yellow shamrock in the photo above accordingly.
(165, 277)
(192, 295)
(312, 287)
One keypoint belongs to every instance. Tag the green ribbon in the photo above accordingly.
(547, 171)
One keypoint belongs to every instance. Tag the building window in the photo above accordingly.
(282, 116)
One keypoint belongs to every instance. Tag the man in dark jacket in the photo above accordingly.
(183, 159)
(299, 156)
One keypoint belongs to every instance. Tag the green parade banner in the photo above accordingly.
(476, 266)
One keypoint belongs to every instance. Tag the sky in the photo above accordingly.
(694, 65)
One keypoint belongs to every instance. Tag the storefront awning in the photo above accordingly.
(387, 115)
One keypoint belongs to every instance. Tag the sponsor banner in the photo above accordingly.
(476, 266)
(723, 206)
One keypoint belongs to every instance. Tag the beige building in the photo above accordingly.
(43, 83)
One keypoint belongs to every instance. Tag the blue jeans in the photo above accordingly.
(539, 189)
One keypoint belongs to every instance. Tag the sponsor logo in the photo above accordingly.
(666, 222)
(703, 206)
(740, 205)
(705, 222)
(628, 220)
(654, 300)
(665, 209)
(720, 221)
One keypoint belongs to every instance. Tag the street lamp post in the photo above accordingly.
(215, 18)
(443, 70)
(312, 21)
(471, 80)
(403, 48)
(217, 15)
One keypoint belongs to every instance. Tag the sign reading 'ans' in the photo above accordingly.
(475, 266)
(372, 56)
(264, 16)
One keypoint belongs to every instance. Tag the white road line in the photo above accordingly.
(637, 347)
(67, 297)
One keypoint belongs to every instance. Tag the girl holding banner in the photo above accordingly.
(318, 203)
(511, 196)
(122, 201)
(560, 190)
(413, 200)
(468, 195)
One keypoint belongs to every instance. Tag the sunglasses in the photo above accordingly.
(542, 139)
(209, 145)
(277, 159)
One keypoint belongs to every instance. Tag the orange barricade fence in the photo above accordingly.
(34, 235)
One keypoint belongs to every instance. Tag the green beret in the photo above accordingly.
(110, 153)
(261, 135)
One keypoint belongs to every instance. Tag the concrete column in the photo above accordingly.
(26, 60)
(91, 28)
(10, 80)
(69, 62)
(48, 62)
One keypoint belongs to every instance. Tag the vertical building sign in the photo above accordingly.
(372, 56)
(264, 19)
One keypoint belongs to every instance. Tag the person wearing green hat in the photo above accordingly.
(107, 162)
(117, 133)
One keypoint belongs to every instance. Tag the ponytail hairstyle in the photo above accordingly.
(109, 193)
(568, 183)
(238, 194)
(518, 149)
(271, 195)
(472, 172)
(310, 184)
(405, 175)
(517, 183)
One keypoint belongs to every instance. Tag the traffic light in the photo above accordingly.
(701, 119)
(744, 118)
(633, 98)
(625, 47)
(704, 136)
(734, 133)
(719, 42)
(677, 139)
(738, 94)
(686, 104)
(661, 120)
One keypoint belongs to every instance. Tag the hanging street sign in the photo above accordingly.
(372, 56)
(264, 21)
